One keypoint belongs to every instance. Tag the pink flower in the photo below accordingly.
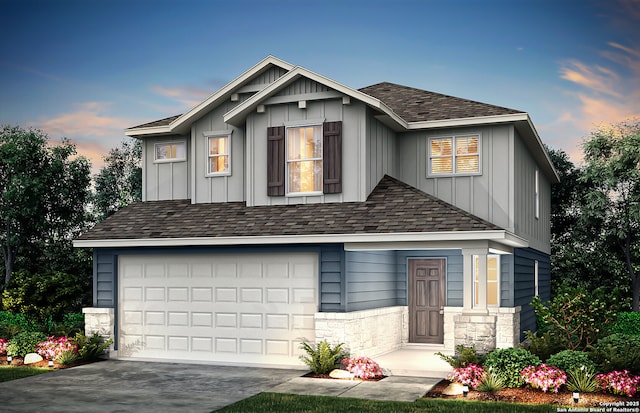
(471, 375)
(53, 348)
(362, 367)
(3, 346)
(544, 377)
(619, 382)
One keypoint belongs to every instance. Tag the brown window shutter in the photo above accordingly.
(275, 161)
(332, 157)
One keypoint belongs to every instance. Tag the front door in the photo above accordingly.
(426, 300)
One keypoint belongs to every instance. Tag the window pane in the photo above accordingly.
(441, 147)
(467, 164)
(218, 164)
(218, 146)
(165, 151)
(467, 145)
(305, 176)
(492, 293)
(441, 165)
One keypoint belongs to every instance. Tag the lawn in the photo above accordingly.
(8, 373)
(283, 403)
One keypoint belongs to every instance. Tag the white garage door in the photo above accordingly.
(243, 308)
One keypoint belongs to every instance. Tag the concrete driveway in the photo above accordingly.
(133, 386)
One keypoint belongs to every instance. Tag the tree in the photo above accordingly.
(119, 183)
(44, 193)
(612, 193)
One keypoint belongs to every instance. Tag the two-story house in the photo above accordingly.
(288, 206)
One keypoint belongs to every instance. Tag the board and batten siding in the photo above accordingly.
(329, 110)
(488, 195)
(165, 180)
(524, 283)
(381, 152)
(536, 230)
(220, 188)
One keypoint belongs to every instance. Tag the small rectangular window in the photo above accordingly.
(455, 155)
(536, 279)
(493, 280)
(219, 155)
(170, 152)
(536, 184)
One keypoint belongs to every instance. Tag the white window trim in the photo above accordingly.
(536, 278)
(454, 137)
(155, 152)
(497, 282)
(217, 134)
(296, 125)
(536, 190)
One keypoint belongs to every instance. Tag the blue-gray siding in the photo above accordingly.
(372, 280)
(524, 284)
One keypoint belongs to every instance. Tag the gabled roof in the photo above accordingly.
(392, 208)
(417, 105)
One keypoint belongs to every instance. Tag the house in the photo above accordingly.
(288, 206)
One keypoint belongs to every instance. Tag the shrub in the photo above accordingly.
(53, 348)
(21, 322)
(617, 352)
(471, 375)
(24, 343)
(463, 356)
(582, 380)
(46, 295)
(3, 346)
(619, 382)
(507, 363)
(322, 359)
(576, 317)
(544, 377)
(568, 360)
(491, 383)
(91, 348)
(542, 345)
(68, 357)
(362, 367)
(627, 323)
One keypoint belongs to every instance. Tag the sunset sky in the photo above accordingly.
(88, 69)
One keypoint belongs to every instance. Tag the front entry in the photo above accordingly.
(426, 300)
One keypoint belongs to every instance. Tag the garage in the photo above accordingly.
(240, 308)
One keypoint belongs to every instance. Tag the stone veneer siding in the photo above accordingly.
(499, 328)
(101, 321)
(367, 332)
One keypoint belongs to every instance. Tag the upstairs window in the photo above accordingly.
(536, 193)
(454, 155)
(219, 155)
(170, 151)
(304, 159)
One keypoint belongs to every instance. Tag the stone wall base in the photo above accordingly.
(365, 333)
(495, 328)
(101, 321)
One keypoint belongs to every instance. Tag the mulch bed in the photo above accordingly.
(530, 396)
(17, 362)
(326, 376)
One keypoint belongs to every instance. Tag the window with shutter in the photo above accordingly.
(332, 153)
(275, 161)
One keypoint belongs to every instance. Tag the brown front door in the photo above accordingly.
(426, 300)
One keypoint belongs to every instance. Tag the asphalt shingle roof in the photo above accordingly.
(392, 207)
(161, 122)
(417, 105)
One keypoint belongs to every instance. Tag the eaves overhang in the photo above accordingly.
(497, 236)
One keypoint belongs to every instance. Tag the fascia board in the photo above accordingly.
(499, 236)
(479, 120)
(240, 111)
(212, 100)
(541, 146)
(155, 130)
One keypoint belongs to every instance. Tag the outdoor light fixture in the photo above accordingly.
(465, 391)
(50, 363)
(576, 396)
(9, 358)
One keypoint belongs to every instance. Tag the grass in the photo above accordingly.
(8, 373)
(283, 403)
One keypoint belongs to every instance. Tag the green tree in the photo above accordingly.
(119, 183)
(612, 194)
(44, 192)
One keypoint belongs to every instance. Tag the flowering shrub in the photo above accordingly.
(362, 367)
(53, 348)
(471, 376)
(544, 377)
(619, 382)
(3, 346)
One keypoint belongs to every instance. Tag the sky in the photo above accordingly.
(86, 70)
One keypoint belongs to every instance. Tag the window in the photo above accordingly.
(218, 155)
(455, 155)
(536, 279)
(170, 151)
(536, 184)
(493, 280)
(304, 159)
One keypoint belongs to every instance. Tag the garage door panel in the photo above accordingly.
(239, 308)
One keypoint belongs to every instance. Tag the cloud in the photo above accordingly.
(187, 96)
